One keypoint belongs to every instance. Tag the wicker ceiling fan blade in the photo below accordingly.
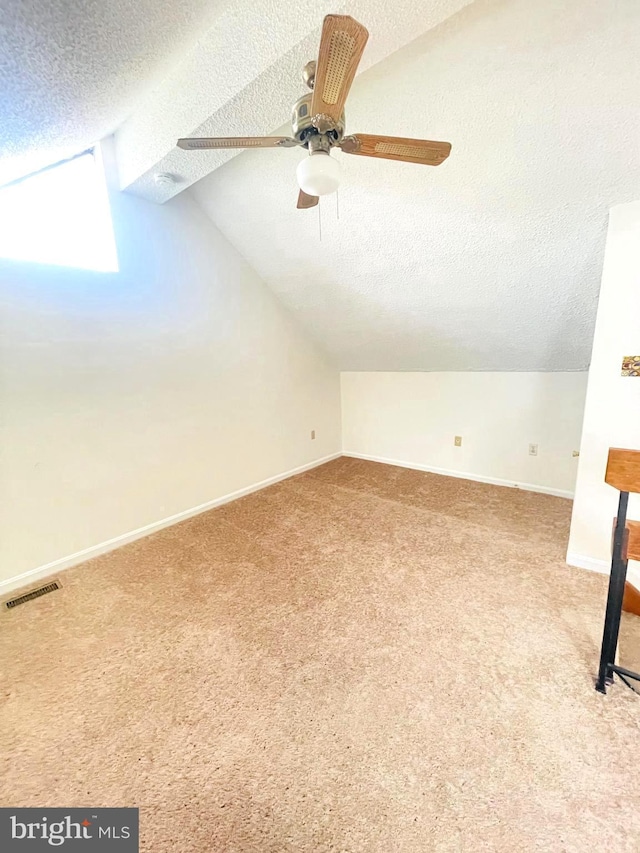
(306, 201)
(423, 151)
(206, 142)
(341, 46)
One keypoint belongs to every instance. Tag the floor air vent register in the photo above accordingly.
(29, 596)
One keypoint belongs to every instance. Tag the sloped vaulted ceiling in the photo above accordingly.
(243, 76)
(71, 71)
(491, 261)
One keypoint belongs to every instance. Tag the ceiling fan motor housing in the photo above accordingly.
(302, 126)
(309, 73)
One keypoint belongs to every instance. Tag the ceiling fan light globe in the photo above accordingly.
(318, 174)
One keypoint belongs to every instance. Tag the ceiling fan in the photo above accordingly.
(318, 118)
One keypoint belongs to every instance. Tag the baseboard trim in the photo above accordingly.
(462, 475)
(37, 574)
(602, 567)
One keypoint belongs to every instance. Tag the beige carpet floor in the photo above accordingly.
(361, 658)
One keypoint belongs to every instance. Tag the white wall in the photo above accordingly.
(612, 411)
(126, 398)
(412, 418)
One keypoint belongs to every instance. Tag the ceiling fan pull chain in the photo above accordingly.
(337, 208)
(319, 221)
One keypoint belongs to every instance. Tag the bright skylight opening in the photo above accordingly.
(60, 216)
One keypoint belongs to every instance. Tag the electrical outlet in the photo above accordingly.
(576, 453)
(458, 441)
(533, 450)
(313, 434)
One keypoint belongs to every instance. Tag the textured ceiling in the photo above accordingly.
(72, 70)
(491, 261)
(242, 78)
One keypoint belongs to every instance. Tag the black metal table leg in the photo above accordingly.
(614, 598)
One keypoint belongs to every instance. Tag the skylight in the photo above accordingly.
(60, 216)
